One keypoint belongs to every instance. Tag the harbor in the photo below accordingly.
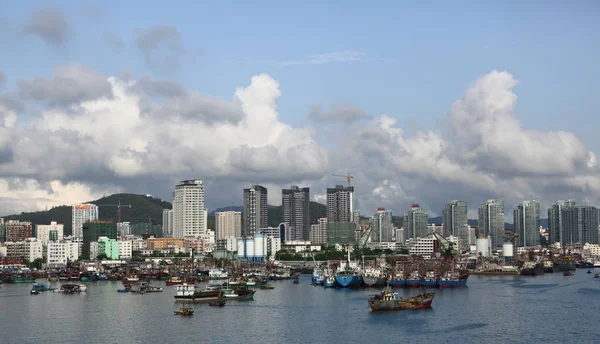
(303, 312)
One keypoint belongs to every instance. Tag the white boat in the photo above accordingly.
(217, 273)
(82, 287)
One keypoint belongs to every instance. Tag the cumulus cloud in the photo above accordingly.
(48, 23)
(161, 46)
(116, 140)
(67, 85)
(151, 133)
(341, 112)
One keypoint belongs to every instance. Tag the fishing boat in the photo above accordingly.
(240, 293)
(53, 277)
(296, 281)
(131, 279)
(19, 279)
(568, 273)
(34, 292)
(374, 277)
(220, 302)
(429, 281)
(174, 280)
(589, 271)
(123, 290)
(267, 287)
(597, 276)
(453, 280)
(188, 293)
(398, 280)
(41, 287)
(389, 301)
(414, 280)
(72, 288)
(329, 282)
(186, 311)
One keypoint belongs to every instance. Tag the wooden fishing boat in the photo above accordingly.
(184, 311)
(388, 301)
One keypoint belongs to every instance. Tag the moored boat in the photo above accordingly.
(329, 282)
(41, 287)
(374, 278)
(413, 281)
(453, 280)
(390, 301)
(174, 280)
(429, 281)
(568, 273)
(188, 293)
(267, 287)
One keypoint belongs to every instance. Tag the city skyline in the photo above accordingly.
(89, 108)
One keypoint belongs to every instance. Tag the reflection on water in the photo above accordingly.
(491, 309)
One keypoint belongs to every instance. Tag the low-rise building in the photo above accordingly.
(61, 253)
(125, 249)
(300, 246)
(29, 249)
(163, 243)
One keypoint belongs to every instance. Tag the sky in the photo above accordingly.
(423, 102)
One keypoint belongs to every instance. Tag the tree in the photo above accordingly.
(102, 256)
(36, 264)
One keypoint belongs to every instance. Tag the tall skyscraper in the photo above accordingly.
(454, 220)
(491, 221)
(340, 215)
(167, 223)
(189, 214)
(228, 224)
(81, 214)
(256, 209)
(415, 222)
(382, 228)
(580, 225)
(527, 223)
(555, 228)
(295, 204)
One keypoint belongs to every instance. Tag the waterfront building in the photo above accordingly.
(454, 220)
(92, 231)
(189, 213)
(106, 246)
(340, 215)
(555, 222)
(82, 213)
(18, 230)
(295, 204)
(167, 223)
(59, 254)
(381, 226)
(164, 243)
(416, 221)
(318, 232)
(256, 209)
(491, 221)
(125, 249)
(28, 249)
(228, 223)
(527, 223)
(580, 225)
(52, 232)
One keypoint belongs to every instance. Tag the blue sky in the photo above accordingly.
(409, 60)
(420, 56)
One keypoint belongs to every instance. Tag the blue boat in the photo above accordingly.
(429, 281)
(123, 291)
(348, 279)
(329, 282)
(398, 282)
(455, 281)
(41, 287)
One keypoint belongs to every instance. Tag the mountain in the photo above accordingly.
(142, 209)
(232, 208)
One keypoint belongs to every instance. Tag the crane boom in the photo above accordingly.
(348, 177)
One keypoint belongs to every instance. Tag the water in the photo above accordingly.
(550, 308)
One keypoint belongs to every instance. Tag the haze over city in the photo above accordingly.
(291, 93)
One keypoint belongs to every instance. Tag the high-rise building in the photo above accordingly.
(318, 232)
(454, 220)
(18, 230)
(228, 223)
(92, 231)
(415, 222)
(340, 215)
(579, 224)
(555, 228)
(491, 221)
(52, 232)
(82, 213)
(382, 228)
(189, 213)
(256, 209)
(527, 223)
(123, 228)
(167, 223)
(295, 203)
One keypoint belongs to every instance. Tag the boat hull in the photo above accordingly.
(398, 283)
(373, 281)
(348, 281)
(452, 283)
(413, 283)
(413, 303)
(429, 283)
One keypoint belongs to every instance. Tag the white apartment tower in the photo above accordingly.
(167, 221)
(228, 223)
(189, 214)
(52, 232)
(83, 213)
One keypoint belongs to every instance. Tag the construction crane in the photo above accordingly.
(119, 206)
(348, 177)
(446, 246)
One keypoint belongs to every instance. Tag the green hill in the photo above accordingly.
(142, 208)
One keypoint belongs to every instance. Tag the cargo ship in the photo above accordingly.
(429, 281)
(374, 277)
(388, 301)
(348, 279)
(413, 281)
(453, 280)
(398, 280)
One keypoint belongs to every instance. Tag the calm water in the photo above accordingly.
(549, 309)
